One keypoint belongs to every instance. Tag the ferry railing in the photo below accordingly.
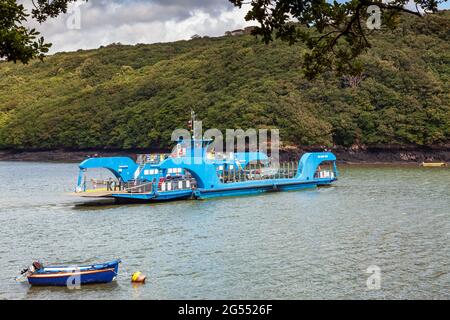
(258, 172)
(141, 188)
(325, 171)
(111, 186)
(324, 174)
(174, 185)
(97, 185)
(151, 158)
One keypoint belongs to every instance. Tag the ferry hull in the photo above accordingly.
(217, 193)
(154, 197)
(254, 190)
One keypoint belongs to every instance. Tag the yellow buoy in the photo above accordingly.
(138, 277)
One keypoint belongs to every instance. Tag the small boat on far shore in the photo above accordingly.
(433, 164)
(38, 275)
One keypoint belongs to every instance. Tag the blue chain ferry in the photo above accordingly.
(194, 171)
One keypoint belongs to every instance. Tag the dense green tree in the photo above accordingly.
(128, 97)
(338, 36)
(339, 29)
(19, 43)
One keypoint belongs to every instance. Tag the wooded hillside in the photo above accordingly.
(122, 97)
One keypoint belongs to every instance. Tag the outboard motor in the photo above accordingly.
(35, 266)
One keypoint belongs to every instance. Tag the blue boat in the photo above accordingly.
(194, 170)
(64, 275)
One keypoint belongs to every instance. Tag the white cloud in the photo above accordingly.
(137, 21)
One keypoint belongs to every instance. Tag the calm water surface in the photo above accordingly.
(313, 244)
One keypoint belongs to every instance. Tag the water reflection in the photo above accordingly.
(86, 290)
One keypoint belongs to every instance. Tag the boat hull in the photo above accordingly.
(234, 190)
(254, 190)
(153, 197)
(66, 276)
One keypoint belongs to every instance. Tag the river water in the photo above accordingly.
(316, 244)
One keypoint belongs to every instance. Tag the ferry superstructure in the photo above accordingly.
(194, 171)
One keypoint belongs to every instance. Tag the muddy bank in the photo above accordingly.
(355, 154)
(380, 154)
(57, 155)
(393, 156)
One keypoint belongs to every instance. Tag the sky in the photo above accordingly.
(101, 22)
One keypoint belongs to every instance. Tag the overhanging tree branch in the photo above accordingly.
(281, 18)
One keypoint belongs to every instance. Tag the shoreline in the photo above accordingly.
(350, 156)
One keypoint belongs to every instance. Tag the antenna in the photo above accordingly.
(191, 122)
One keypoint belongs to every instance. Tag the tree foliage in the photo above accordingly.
(18, 42)
(337, 32)
(134, 96)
